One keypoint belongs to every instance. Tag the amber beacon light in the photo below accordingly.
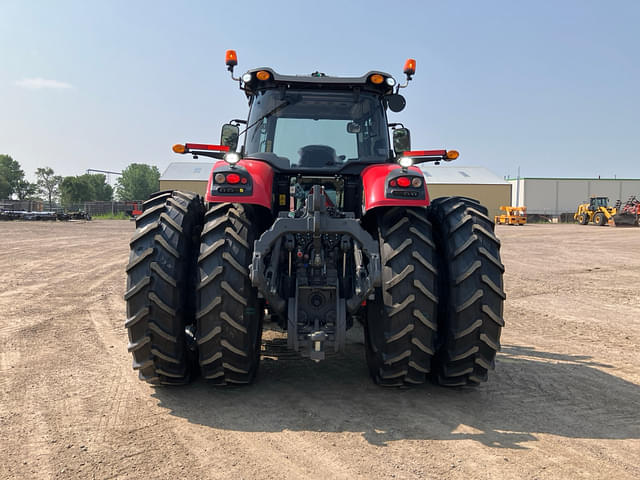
(410, 67)
(230, 58)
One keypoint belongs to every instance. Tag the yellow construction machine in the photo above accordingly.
(512, 216)
(596, 211)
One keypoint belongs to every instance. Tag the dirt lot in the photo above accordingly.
(564, 401)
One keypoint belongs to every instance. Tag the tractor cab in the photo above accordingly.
(317, 122)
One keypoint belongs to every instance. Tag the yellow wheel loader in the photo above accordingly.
(596, 211)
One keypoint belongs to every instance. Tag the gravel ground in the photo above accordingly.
(564, 401)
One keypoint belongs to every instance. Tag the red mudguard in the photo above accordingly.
(261, 176)
(374, 180)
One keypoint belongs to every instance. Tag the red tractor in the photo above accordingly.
(320, 219)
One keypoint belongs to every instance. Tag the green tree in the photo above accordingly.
(5, 188)
(85, 188)
(12, 175)
(138, 181)
(75, 190)
(48, 183)
(25, 190)
(102, 191)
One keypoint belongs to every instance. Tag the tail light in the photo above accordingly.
(233, 178)
(404, 182)
(235, 181)
(401, 184)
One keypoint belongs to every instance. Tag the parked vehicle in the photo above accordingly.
(322, 219)
(596, 211)
(512, 216)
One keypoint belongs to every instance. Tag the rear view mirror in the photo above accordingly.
(229, 136)
(401, 140)
(396, 102)
(353, 127)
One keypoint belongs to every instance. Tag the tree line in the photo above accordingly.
(137, 182)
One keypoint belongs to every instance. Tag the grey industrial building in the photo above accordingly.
(555, 196)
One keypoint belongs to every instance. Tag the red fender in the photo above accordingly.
(261, 177)
(374, 179)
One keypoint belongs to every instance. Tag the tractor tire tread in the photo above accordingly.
(401, 325)
(159, 276)
(229, 326)
(470, 311)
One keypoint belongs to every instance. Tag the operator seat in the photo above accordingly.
(315, 156)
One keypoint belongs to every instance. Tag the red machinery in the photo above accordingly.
(322, 218)
(628, 214)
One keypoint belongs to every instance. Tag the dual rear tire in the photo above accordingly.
(439, 312)
(188, 281)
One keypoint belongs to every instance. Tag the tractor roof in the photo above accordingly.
(252, 83)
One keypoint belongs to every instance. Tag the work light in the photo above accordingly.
(232, 158)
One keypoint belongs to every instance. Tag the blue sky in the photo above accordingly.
(550, 87)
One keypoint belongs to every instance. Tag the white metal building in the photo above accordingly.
(554, 196)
